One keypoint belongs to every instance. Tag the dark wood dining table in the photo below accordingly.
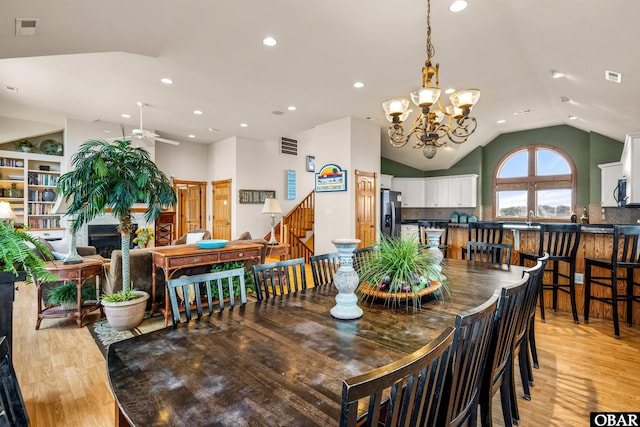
(281, 361)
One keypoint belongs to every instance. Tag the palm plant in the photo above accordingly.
(115, 176)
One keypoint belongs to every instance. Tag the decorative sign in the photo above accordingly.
(331, 178)
(255, 196)
(291, 184)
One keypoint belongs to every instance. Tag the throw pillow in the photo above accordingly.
(194, 237)
(245, 236)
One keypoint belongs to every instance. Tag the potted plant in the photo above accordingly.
(115, 176)
(402, 272)
(66, 295)
(20, 260)
(24, 145)
(143, 236)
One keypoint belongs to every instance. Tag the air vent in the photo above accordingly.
(27, 26)
(613, 76)
(11, 89)
(288, 146)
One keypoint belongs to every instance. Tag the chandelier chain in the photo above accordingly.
(430, 49)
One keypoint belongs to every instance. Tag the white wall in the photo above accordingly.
(187, 161)
(12, 129)
(222, 165)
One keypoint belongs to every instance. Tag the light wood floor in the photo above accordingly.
(583, 368)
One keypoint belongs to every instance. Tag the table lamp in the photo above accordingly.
(61, 207)
(272, 207)
(6, 213)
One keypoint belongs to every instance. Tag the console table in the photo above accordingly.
(173, 258)
(78, 274)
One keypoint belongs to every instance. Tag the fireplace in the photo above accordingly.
(105, 238)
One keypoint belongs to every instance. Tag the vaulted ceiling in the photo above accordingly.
(93, 60)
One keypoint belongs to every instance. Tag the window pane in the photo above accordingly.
(553, 203)
(511, 203)
(550, 163)
(516, 165)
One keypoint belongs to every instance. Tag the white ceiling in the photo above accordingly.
(95, 59)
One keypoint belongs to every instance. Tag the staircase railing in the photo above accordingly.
(295, 225)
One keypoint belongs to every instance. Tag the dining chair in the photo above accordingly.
(191, 287)
(524, 337)
(13, 411)
(561, 242)
(279, 278)
(625, 255)
(487, 232)
(444, 238)
(498, 371)
(407, 392)
(323, 268)
(493, 253)
(362, 256)
(470, 346)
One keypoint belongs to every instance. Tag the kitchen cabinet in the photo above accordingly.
(463, 191)
(385, 181)
(409, 231)
(631, 168)
(610, 173)
(412, 190)
(436, 192)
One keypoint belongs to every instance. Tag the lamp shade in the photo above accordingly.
(5, 211)
(271, 206)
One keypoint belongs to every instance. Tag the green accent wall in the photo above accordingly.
(586, 149)
(390, 167)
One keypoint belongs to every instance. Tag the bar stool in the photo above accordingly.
(484, 232)
(625, 254)
(560, 241)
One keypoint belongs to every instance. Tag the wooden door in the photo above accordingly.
(191, 209)
(366, 212)
(222, 209)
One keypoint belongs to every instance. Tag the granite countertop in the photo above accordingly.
(524, 226)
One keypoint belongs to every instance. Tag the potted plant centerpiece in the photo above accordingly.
(115, 176)
(401, 272)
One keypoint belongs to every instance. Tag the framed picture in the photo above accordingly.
(311, 164)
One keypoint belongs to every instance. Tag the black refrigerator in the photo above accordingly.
(390, 205)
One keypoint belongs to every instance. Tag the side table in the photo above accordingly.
(78, 274)
(281, 250)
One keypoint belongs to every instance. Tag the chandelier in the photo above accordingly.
(435, 125)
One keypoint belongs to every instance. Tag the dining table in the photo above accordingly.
(280, 361)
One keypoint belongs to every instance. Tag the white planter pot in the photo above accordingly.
(128, 314)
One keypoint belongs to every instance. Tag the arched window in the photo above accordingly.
(536, 178)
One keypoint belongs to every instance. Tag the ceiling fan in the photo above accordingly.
(142, 133)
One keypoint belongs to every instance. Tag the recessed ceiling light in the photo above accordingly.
(244, 125)
(214, 130)
(458, 5)
(291, 108)
(557, 74)
(269, 41)
(370, 118)
(519, 113)
(126, 116)
(192, 136)
(166, 80)
(572, 117)
(358, 85)
(197, 112)
(449, 91)
(501, 121)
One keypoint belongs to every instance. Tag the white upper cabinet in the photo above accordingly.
(631, 169)
(412, 190)
(463, 191)
(610, 173)
(436, 192)
(385, 181)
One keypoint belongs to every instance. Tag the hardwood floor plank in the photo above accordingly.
(583, 368)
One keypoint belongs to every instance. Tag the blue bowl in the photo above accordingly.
(212, 244)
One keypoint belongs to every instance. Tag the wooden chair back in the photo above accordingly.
(407, 392)
(470, 346)
(626, 252)
(497, 373)
(280, 278)
(362, 256)
(323, 267)
(493, 253)
(12, 409)
(487, 232)
(191, 289)
(560, 241)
